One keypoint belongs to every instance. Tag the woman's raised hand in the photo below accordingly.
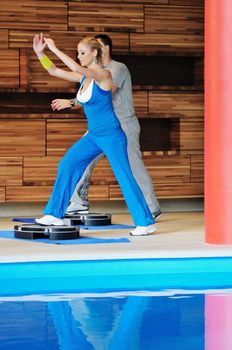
(38, 43)
(50, 44)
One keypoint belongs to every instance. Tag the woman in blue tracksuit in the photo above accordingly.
(104, 134)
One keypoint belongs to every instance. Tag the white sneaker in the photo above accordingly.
(77, 208)
(49, 220)
(143, 230)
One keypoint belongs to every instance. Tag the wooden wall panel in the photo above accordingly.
(154, 2)
(172, 19)
(23, 39)
(175, 190)
(186, 2)
(192, 136)
(62, 134)
(99, 192)
(2, 194)
(9, 69)
(187, 137)
(66, 40)
(162, 169)
(3, 39)
(169, 169)
(197, 168)
(140, 101)
(22, 137)
(11, 170)
(115, 192)
(28, 14)
(19, 194)
(40, 171)
(188, 190)
(166, 43)
(24, 69)
(184, 104)
(108, 17)
(41, 81)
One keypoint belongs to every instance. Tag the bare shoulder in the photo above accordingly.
(102, 74)
(107, 73)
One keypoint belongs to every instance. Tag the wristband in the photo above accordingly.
(46, 62)
(72, 103)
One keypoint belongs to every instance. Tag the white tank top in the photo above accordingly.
(86, 95)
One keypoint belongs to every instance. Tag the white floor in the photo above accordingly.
(178, 235)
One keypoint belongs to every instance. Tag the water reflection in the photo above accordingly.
(218, 322)
(122, 322)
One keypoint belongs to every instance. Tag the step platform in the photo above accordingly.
(26, 231)
(91, 219)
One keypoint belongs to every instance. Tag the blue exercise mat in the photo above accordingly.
(81, 240)
(105, 227)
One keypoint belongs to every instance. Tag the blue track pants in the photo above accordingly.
(76, 160)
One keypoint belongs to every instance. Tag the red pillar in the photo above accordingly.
(218, 121)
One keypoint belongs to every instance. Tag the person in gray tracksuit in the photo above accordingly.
(124, 109)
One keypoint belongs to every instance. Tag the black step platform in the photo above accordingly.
(92, 219)
(51, 232)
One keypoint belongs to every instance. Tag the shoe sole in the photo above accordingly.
(143, 234)
(47, 224)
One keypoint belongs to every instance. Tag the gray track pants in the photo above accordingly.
(131, 128)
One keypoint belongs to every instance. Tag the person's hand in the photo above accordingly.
(50, 44)
(38, 43)
(60, 104)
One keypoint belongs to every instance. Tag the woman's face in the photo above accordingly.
(85, 55)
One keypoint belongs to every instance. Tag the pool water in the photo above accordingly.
(130, 304)
(159, 320)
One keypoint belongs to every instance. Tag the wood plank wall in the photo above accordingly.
(31, 144)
